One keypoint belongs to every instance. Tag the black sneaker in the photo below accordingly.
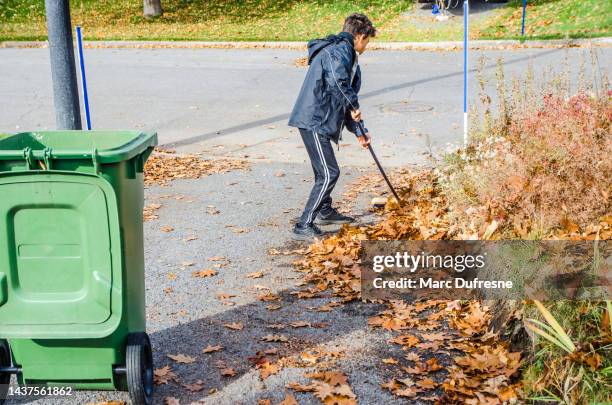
(334, 217)
(308, 232)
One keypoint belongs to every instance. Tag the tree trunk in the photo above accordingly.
(152, 8)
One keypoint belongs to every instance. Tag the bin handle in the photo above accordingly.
(28, 155)
(94, 159)
(3, 289)
(47, 156)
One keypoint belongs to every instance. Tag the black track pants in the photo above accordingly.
(326, 172)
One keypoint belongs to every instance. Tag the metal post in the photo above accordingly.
(83, 77)
(523, 19)
(63, 70)
(466, 29)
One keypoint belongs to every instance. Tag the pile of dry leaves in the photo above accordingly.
(479, 366)
(333, 262)
(164, 166)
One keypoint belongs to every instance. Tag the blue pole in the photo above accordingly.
(523, 19)
(466, 29)
(83, 78)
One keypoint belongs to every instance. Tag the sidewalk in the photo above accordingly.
(398, 46)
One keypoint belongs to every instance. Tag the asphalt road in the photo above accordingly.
(200, 98)
(236, 103)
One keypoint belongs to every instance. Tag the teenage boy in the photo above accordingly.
(326, 104)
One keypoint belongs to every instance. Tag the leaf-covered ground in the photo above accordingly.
(524, 176)
(292, 20)
(446, 351)
(479, 367)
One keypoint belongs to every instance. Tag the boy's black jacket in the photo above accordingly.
(328, 96)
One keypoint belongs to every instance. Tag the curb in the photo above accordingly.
(390, 46)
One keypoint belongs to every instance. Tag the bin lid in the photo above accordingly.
(110, 146)
(61, 276)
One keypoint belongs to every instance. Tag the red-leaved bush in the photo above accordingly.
(551, 170)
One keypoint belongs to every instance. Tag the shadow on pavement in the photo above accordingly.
(239, 345)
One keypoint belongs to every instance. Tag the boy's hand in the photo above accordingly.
(365, 140)
(356, 114)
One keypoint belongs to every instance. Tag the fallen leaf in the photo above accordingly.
(195, 387)
(406, 340)
(289, 400)
(274, 338)
(301, 388)
(163, 375)
(181, 358)
(240, 230)
(309, 357)
(234, 326)
(212, 349)
(409, 392)
(427, 384)
(413, 357)
(204, 273)
(331, 377)
(228, 372)
(149, 212)
(268, 297)
(392, 324)
(267, 369)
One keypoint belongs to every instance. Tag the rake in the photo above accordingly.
(380, 168)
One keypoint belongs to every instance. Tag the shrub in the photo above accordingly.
(542, 164)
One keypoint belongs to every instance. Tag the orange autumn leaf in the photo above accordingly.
(204, 273)
(181, 358)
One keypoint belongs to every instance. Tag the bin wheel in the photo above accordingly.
(5, 361)
(139, 368)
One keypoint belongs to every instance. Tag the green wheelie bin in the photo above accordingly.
(72, 305)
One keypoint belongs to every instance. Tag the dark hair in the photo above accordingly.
(359, 24)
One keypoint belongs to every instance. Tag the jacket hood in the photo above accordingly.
(315, 45)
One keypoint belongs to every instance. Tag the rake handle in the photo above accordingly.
(380, 168)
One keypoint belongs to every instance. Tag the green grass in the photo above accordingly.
(548, 19)
(553, 374)
(296, 20)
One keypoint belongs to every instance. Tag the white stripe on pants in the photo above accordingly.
(325, 183)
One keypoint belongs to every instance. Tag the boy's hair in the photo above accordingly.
(359, 24)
